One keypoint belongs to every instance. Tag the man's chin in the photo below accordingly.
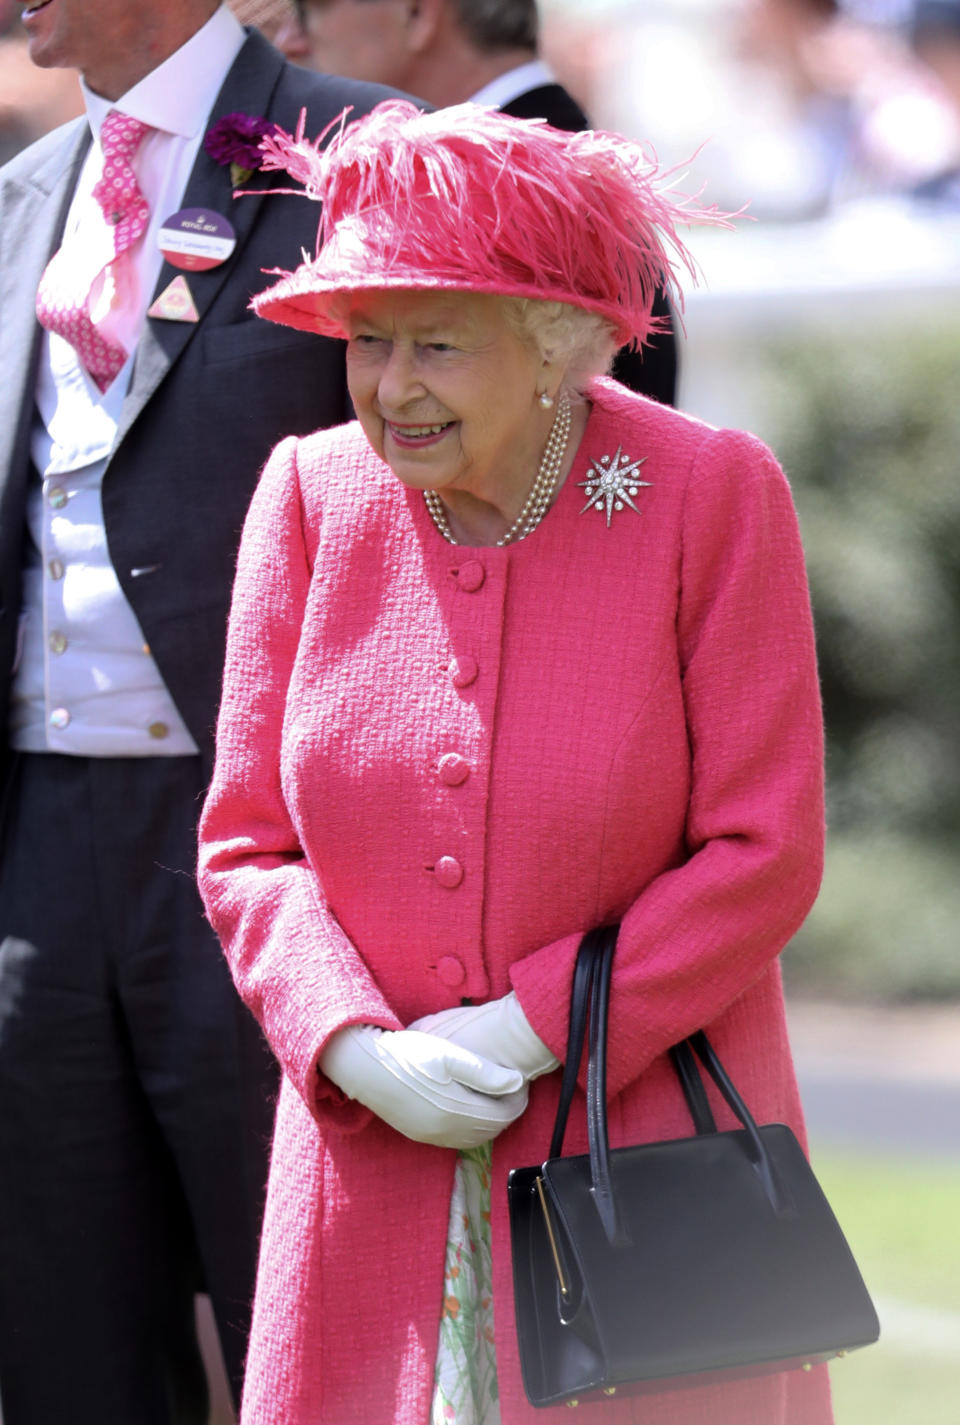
(35, 18)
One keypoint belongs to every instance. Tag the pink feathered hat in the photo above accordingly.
(469, 199)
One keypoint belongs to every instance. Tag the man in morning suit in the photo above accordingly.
(449, 51)
(135, 1090)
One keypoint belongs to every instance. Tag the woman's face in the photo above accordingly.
(446, 392)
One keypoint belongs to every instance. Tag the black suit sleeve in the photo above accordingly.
(653, 369)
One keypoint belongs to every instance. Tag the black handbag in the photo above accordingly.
(672, 1264)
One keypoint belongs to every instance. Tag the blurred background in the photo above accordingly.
(829, 323)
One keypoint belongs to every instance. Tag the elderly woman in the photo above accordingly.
(515, 654)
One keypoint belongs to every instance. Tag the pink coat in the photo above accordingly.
(437, 767)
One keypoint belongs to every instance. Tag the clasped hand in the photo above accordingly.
(454, 1079)
(498, 1030)
(425, 1087)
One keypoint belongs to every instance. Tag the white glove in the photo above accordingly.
(498, 1030)
(424, 1087)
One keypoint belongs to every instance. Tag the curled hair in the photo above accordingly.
(585, 343)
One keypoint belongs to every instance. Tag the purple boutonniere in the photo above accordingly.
(235, 140)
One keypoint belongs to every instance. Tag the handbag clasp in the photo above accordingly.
(561, 1278)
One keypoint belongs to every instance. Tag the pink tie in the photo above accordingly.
(60, 308)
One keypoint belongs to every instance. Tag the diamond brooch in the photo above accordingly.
(612, 483)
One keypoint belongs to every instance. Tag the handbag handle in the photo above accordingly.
(685, 1068)
(756, 1149)
(591, 990)
(592, 942)
(597, 1134)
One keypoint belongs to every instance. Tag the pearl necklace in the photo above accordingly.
(542, 490)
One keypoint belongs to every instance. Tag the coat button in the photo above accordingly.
(453, 769)
(60, 718)
(470, 575)
(56, 497)
(450, 971)
(448, 872)
(57, 641)
(463, 671)
(158, 730)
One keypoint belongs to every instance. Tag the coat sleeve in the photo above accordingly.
(702, 932)
(291, 962)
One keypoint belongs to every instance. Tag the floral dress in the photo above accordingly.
(466, 1383)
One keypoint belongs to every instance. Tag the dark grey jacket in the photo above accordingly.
(207, 401)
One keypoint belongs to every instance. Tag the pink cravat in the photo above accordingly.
(60, 306)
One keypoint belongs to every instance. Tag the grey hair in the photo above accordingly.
(499, 24)
(584, 342)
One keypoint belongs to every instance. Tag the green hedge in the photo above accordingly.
(868, 430)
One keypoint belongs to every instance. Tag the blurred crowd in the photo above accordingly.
(803, 104)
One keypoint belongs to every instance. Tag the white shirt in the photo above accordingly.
(505, 87)
(174, 99)
(85, 682)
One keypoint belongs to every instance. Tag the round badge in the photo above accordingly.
(196, 239)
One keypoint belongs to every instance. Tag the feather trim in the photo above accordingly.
(470, 198)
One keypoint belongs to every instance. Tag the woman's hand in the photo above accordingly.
(427, 1088)
(497, 1031)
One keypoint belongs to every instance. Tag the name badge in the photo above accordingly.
(196, 239)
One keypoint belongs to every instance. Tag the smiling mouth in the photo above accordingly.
(418, 435)
(33, 6)
(409, 430)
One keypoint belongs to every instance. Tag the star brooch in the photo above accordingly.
(612, 483)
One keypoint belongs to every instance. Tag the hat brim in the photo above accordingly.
(303, 299)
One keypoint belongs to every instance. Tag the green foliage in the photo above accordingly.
(899, 1218)
(886, 924)
(868, 429)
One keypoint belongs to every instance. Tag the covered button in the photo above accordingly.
(450, 971)
(453, 769)
(463, 671)
(448, 872)
(470, 575)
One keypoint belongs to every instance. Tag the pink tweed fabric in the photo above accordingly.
(60, 307)
(436, 767)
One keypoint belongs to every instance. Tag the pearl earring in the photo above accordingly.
(546, 400)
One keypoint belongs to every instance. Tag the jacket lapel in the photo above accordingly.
(249, 87)
(32, 213)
